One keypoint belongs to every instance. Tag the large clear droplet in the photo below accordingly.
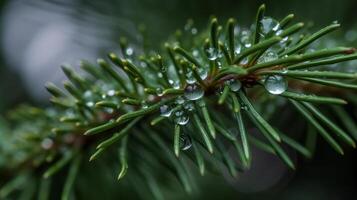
(275, 84)
(165, 110)
(181, 118)
(269, 24)
(185, 142)
(193, 92)
(234, 85)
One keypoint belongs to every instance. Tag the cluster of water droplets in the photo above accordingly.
(88, 98)
(190, 28)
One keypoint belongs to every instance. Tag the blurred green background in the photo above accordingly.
(37, 36)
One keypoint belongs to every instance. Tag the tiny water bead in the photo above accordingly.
(189, 27)
(275, 84)
(189, 106)
(190, 79)
(245, 38)
(144, 104)
(203, 72)
(129, 51)
(213, 53)
(234, 85)
(159, 92)
(111, 93)
(237, 49)
(269, 24)
(193, 92)
(185, 142)
(181, 118)
(165, 110)
(180, 100)
(47, 143)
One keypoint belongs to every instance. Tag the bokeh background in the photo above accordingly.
(37, 36)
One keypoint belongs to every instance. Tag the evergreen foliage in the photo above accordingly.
(163, 115)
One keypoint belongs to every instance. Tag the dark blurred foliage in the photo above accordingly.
(327, 176)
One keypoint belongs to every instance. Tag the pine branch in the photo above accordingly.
(162, 107)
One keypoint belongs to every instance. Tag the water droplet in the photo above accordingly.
(185, 142)
(181, 118)
(195, 53)
(284, 40)
(144, 104)
(247, 45)
(88, 94)
(203, 73)
(275, 84)
(143, 64)
(109, 110)
(219, 64)
(190, 79)
(236, 30)
(189, 27)
(176, 85)
(237, 49)
(90, 104)
(284, 71)
(111, 93)
(269, 24)
(165, 110)
(234, 84)
(244, 61)
(245, 38)
(279, 32)
(47, 143)
(213, 53)
(189, 106)
(129, 51)
(180, 100)
(243, 106)
(159, 92)
(268, 56)
(193, 92)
